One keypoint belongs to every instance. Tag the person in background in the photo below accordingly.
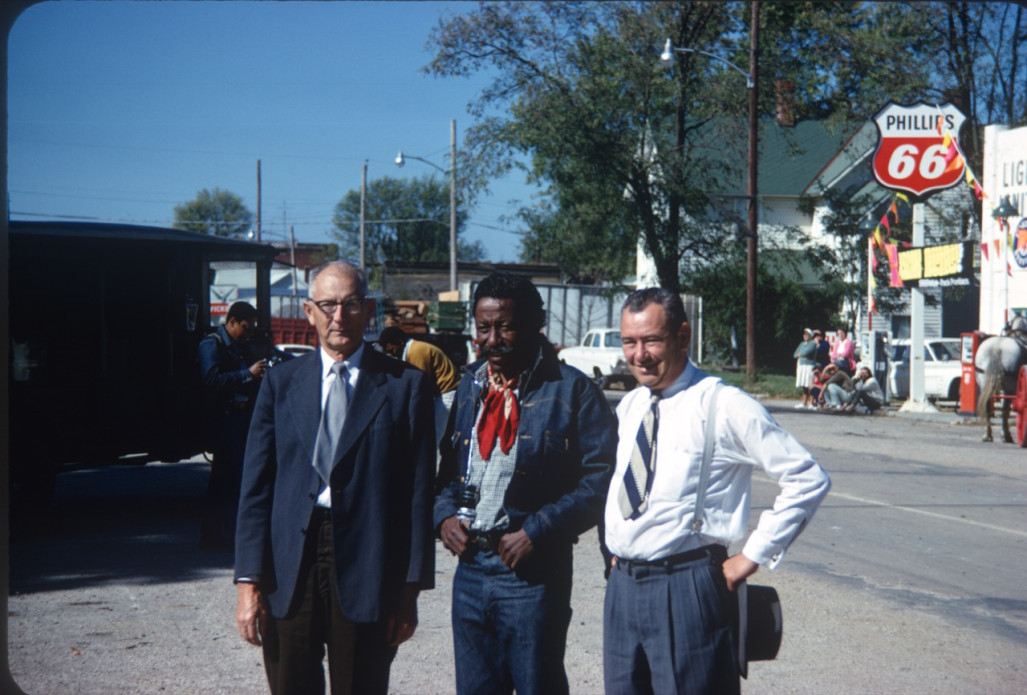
(671, 593)
(843, 352)
(431, 360)
(838, 387)
(816, 388)
(804, 361)
(823, 352)
(526, 461)
(867, 391)
(334, 538)
(230, 378)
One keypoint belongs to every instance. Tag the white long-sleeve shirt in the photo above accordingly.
(746, 437)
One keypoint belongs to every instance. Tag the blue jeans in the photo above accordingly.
(835, 395)
(510, 628)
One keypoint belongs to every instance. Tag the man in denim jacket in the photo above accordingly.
(526, 463)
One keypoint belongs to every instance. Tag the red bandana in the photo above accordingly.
(500, 417)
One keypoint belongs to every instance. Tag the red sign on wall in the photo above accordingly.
(912, 153)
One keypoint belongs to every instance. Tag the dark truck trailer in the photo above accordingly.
(104, 324)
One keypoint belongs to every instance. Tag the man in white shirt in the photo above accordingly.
(671, 596)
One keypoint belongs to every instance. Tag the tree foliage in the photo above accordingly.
(406, 220)
(785, 309)
(627, 150)
(214, 211)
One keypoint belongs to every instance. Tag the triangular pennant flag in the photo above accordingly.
(902, 196)
(953, 160)
(984, 250)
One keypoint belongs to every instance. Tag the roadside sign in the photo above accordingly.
(221, 297)
(911, 154)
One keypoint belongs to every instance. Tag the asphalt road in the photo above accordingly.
(909, 580)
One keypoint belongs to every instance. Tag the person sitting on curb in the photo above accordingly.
(838, 387)
(867, 391)
(816, 388)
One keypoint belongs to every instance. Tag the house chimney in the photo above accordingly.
(784, 99)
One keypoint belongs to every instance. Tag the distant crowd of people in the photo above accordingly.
(831, 379)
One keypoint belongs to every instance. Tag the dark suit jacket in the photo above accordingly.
(382, 485)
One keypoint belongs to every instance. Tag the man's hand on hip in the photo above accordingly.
(737, 568)
(250, 613)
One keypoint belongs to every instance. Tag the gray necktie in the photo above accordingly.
(332, 416)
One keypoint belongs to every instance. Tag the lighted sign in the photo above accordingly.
(947, 265)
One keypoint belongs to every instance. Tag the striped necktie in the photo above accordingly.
(332, 416)
(638, 478)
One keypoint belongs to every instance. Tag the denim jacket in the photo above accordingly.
(567, 440)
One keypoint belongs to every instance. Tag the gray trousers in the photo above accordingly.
(669, 630)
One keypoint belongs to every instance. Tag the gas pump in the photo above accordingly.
(876, 355)
(968, 344)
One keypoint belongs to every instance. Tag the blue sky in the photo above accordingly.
(121, 110)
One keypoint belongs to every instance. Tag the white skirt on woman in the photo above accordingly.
(803, 375)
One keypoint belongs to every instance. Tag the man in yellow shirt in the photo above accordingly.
(430, 359)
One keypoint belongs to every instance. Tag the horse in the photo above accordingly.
(997, 366)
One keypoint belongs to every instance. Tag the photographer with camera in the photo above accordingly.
(230, 383)
(526, 462)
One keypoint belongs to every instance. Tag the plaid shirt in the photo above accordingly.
(491, 477)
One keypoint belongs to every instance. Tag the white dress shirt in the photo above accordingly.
(746, 437)
(324, 499)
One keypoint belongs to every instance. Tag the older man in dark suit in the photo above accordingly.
(335, 536)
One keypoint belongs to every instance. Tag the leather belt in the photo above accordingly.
(486, 540)
(672, 562)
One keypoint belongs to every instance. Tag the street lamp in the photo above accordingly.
(401, 160)
(751, 84)
(1002, 213)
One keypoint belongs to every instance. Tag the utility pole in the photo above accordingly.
(363, 211)
(452, 206)
(292, 261)
(258, 201)
(753, 219)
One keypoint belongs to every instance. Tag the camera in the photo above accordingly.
(467, 503)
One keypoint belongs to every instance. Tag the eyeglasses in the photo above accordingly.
(352, 306)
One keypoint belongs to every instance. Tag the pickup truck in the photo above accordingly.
(600, 355)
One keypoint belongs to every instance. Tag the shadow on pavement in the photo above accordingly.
(121, 523)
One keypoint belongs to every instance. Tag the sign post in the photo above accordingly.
(912, 156)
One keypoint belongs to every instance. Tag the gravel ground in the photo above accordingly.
(114, 596)
(143, 636)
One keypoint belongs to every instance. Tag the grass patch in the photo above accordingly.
(776, 386)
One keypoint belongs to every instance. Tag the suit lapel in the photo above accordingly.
(304, 402)
(368, 398)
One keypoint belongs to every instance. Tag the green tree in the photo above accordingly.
(214, 211)
(630, 151)
(405, 220)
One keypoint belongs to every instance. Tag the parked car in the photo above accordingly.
(600, 355)
(295, 349)
(942, 369)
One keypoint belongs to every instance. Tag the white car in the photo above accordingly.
(942, 369)
(600, 355)
(295, 349)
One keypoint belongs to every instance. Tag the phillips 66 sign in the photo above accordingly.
(911, 152)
